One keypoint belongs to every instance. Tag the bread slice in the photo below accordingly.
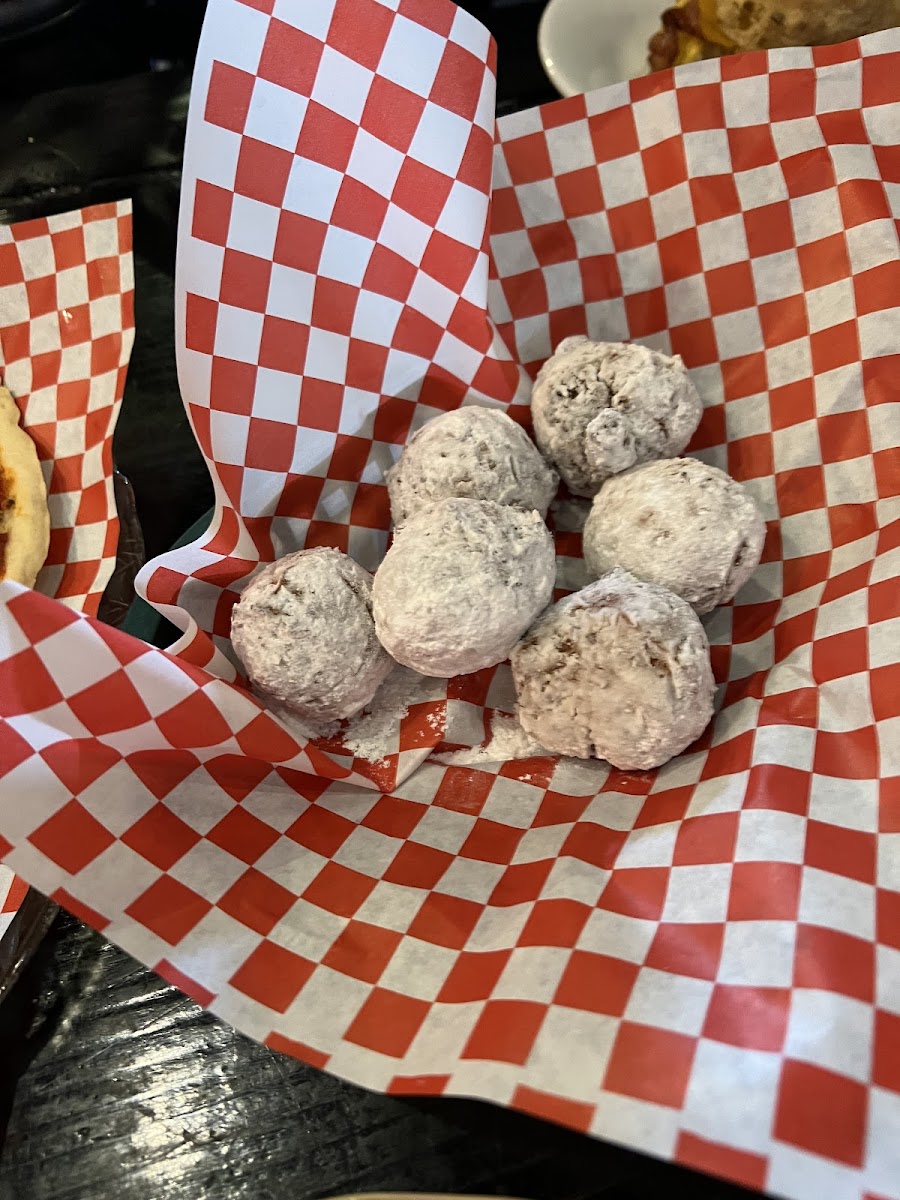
(24, 515)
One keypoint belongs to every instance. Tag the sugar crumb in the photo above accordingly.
(374, 733)
(508, 741)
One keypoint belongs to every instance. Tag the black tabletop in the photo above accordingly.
(117, 1087)
(112, 1084)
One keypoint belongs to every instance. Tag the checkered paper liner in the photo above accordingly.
(12, 893)
(66, 328)
(701, 962)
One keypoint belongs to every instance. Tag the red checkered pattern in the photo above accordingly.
(66, 329)
(701, 962)
(331, 283)
(12, 893)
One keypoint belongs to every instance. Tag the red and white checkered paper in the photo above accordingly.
(66, 329)
(701, 962)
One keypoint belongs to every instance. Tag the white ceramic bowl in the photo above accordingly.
(586, 44)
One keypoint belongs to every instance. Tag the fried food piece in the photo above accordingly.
(461, 583)
(472, 453)
(619, 671)
(678, 523)
(602, 407)
(303, 629)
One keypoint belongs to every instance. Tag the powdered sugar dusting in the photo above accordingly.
(475, 453)
(304, 631)
(680, 523)
(602, 407)
(508, 741)
(373, 735)
(619, 671)
(462, 582)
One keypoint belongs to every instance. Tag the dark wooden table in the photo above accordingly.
(116, 1087)
(112, 1084)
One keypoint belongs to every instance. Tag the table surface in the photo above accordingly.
(125, 1089)
(112, 1084)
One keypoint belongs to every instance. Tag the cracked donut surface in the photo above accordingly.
(471, 453)
(304, 630)
(460, 585)
(678, 523)
(618, 671)
(600, 408)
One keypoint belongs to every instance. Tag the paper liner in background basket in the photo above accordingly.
(701, 962)
(66, 329)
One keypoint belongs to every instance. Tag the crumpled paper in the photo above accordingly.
(700, 962)
(66, 329)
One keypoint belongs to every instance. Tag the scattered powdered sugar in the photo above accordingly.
(373, 735)
(508, 741)
(462, 582)
(304, 731)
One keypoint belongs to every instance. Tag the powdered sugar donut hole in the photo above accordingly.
(600, 408)
(303, 629)
(678, 523)
(618, 671)
(473, 453)
(461, 583)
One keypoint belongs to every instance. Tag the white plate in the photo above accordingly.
(586, 44)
